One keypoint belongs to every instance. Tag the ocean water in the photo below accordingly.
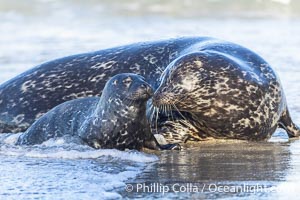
(35, 31)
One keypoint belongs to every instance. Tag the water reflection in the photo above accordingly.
(226, 163)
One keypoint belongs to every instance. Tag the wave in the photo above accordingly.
(65, 169)
(65, 148)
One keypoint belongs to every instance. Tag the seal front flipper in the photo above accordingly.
(287, 124)
(153, 144)
(170, 147)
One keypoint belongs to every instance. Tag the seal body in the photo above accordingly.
(28, 96)
(115, 120)
(222, 90)
(214, 88)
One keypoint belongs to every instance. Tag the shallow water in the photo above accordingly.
(224, 169)
(41, 30)
(58, 169)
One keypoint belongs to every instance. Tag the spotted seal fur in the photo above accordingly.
(115, 120)
(222, 90)
(28, 96)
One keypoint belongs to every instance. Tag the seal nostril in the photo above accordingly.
(143, 86)
(147, 88)
(150, 91)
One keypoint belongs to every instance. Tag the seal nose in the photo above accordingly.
(147, 88)
(161, 97)
(155, 99)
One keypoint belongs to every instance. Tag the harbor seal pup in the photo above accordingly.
(222, 90)
(115, 120)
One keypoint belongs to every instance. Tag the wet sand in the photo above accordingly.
(221, 169)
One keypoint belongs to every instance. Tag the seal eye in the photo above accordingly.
(127, 81)
(115, 82)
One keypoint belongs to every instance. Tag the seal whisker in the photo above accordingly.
(179, 111)
(150, 112)
(170, 109)
(153, 113)
(157, 111)
(167, 111)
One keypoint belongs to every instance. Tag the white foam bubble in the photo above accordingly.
(60, 148)
(100, 172)
(11, 138)
(93, 154)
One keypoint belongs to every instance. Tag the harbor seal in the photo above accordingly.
(222, 90)
(115, 120)
(28, 96)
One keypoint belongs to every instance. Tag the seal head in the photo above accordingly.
(224, 96)
(119, 119)
(181, 80)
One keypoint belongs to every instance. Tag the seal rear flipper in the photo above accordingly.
(287, 124)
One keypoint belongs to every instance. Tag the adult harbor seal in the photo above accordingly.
(115, 120)
(228, 70)
(222, 90)
(28, 96)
